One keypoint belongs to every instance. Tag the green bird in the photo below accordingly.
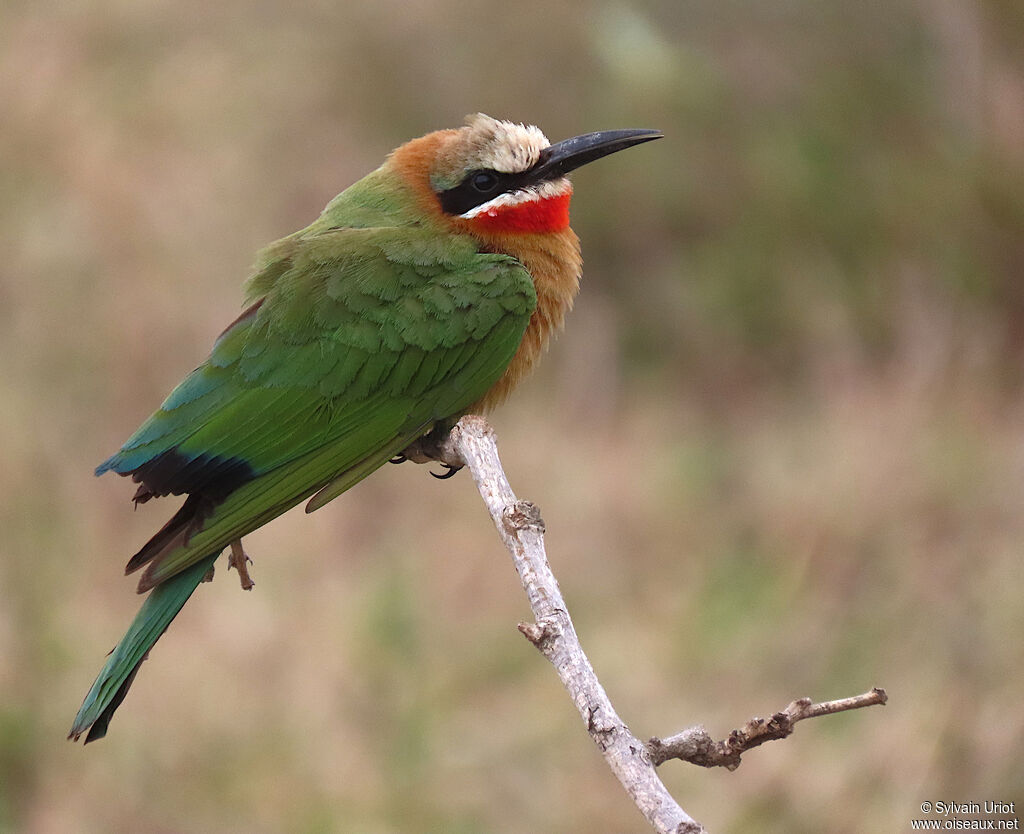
(425, 291)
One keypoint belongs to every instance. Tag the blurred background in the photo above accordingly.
(779, 449)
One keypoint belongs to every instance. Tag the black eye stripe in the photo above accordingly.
(478, 187)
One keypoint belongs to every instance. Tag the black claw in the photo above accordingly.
(451, 471)
(399, 458)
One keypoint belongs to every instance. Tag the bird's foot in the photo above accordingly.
(450, 470)
(239, 561)
(430, 448)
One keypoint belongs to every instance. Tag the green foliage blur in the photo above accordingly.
(779, 448)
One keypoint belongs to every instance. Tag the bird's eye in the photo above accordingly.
(478, 186)
(484, 181)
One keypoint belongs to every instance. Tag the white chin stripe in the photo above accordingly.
(542, 191)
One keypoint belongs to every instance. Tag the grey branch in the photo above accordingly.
(471, 443)
(697, 747)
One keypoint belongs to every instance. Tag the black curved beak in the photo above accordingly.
(569, 154)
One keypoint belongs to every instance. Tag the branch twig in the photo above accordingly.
(697, 747)
(471, 443)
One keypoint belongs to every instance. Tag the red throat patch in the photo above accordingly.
(549, 214)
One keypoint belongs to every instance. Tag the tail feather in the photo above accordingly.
(182, 524)
(117, 674)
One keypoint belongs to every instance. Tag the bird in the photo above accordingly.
(425, 291)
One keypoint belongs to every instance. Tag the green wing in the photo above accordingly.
(358, 342)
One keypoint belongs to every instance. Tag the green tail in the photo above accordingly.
(117, 674)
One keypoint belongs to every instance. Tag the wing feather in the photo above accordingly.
(358, 346)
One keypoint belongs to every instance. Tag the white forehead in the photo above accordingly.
(503, 146)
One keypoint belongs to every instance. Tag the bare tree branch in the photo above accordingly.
(471, 443)
(697, 747)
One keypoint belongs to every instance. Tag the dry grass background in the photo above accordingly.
(779, 450)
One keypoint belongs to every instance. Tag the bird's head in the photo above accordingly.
(494, 178)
